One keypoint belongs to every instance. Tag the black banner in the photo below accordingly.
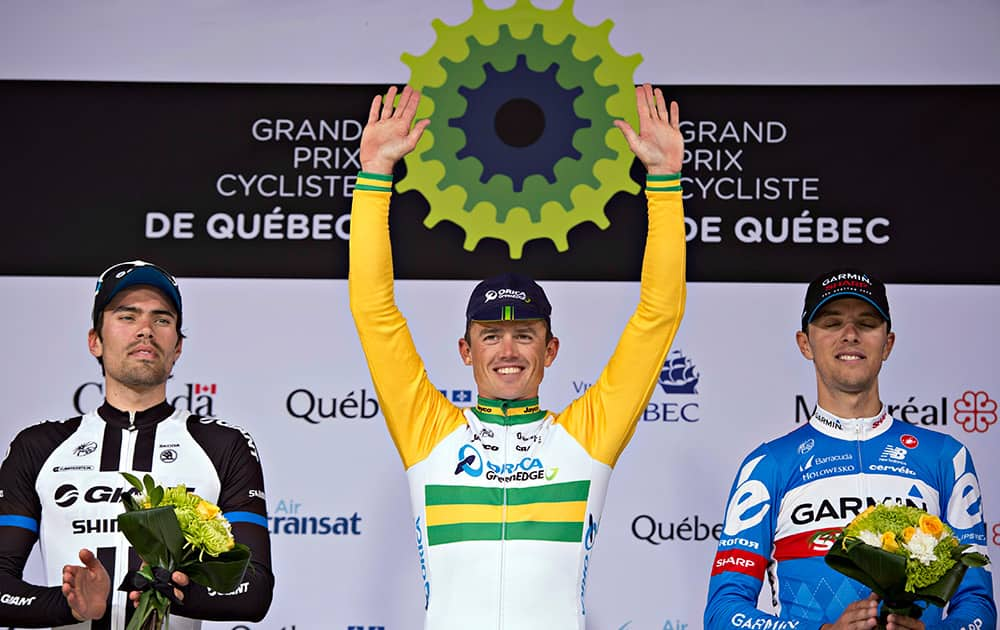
(219, 180)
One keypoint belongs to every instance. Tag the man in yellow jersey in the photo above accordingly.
(504, 541)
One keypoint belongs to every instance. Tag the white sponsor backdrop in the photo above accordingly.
(260, 340)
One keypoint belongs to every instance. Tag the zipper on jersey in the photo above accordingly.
(859, 438)
(503, 527)
(120, 598)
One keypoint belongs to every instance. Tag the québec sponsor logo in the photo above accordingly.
(973, 411)
(458, 396)
(686, 529)
(290, 519)
(303, 404)
(678, 381)
(197, 398)
(472, 463)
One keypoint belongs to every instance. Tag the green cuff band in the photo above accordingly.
(383, 178)
(663, 178)
(663, 188)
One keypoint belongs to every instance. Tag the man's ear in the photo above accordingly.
(465, 351)
(94, 344)
(890, 341)
(802, 341)
(551, 350)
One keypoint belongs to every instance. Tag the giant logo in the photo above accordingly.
(525, 98)
(68, 494)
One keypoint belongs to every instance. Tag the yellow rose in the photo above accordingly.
(206, 511)
(889, 542)
(908, 533)
(931, 525)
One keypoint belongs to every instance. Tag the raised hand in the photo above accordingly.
(659, 144)
(86, 588)
(388, 136)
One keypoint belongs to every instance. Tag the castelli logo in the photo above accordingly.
(909, 441)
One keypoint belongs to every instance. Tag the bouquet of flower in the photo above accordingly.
(905, 555)
(175, 530)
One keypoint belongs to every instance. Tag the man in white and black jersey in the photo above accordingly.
(60, 483)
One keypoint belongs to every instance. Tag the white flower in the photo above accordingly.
(921, 547)
(870, 538)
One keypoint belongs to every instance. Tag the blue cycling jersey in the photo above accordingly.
(793, 495)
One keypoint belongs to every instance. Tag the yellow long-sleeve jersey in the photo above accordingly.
(506, 496)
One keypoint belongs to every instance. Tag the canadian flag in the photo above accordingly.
(206, 389)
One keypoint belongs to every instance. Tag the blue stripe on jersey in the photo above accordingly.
(246, 517)
(25, 522)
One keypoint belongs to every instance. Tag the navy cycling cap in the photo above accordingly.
(844, 283)
(130, 274)
(509, 296)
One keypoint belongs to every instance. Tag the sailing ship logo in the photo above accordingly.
(679, 375)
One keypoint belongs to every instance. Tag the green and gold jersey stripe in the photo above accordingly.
(508, 412)
(373, 181)
(553, 512)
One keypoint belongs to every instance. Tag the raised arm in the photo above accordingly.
(415, 412)
(604, 418)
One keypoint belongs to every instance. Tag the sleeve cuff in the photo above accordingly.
(664, 183)
(374, 182)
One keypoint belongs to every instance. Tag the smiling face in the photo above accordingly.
(508, 358)
(847, 341)
(138, 341)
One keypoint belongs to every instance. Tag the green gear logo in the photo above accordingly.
(522, 144)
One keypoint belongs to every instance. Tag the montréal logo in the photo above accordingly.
(975, 411)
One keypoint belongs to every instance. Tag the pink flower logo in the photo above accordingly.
(976, 411)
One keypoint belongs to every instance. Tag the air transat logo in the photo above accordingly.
(522, 146)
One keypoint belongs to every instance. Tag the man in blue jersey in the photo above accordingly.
(793, 495)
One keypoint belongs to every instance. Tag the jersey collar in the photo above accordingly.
(123, 419)
(508, 412)
(850, 428)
